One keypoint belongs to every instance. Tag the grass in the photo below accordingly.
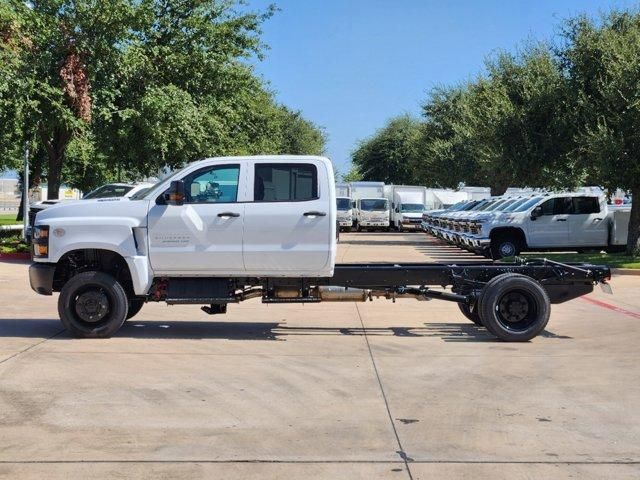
(614, 260)
(8, 219)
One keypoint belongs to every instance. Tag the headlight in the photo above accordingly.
(40, 241)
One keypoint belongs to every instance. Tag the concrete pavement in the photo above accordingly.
(373, 390)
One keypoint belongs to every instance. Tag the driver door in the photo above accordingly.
(204, 234)
(552, 228)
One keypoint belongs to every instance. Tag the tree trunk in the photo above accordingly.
(56, 146)
(633, 246)
(53, 176)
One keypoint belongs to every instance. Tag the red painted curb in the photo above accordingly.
(15, 256)
(608, 306)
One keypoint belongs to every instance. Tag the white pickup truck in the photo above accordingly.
(564, 221)
(225, 230)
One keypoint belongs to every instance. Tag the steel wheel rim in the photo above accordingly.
(516, 310)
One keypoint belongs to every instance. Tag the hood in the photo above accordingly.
(98, 211)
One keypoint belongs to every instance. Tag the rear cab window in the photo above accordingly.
(290, 182)
(585, 205)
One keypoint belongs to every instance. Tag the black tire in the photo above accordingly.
(347, 229)
(93, 305)
(135, 305)
(505, 246)
(514, 308)
(400, 227)
(358, 227)
(473, 316)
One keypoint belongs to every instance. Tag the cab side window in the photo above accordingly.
(557, 206)
(276, 182)
(548, 207)
(217, 184)
(585, 205)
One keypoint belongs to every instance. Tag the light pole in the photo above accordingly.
(25, 190)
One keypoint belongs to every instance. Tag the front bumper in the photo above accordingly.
(41, 277)
(367, 223)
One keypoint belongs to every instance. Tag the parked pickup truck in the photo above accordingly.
(565, 221)
(225, 230)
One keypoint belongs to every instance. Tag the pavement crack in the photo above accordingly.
(30, 347)
(405, 458)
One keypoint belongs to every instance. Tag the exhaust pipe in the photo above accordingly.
(346, 294)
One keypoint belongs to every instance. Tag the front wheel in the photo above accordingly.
(135, 305)
(514, 307)
(93, 305)
(504, 247)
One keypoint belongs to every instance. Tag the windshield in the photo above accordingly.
(514, 205)
(373, 204)
(412, 207)
(527, 205)
(501, 205)
(479, 207)
(108, 191)
(343, 203)
(140, 193)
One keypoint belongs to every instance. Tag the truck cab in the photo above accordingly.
(372, 213)
(345, 213)
(407, 206)
(209, 218)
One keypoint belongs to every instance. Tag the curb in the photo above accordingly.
(625, 271)
(15, 256)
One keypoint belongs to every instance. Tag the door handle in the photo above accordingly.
(314, 214)
(228, 214)
(561, 219)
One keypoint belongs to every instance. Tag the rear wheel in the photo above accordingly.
(93, 305)
(514, 307)
(471, 315)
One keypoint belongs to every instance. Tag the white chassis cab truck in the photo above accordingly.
(407, 206)
(344, 206)
(225, 230)
(371, 206)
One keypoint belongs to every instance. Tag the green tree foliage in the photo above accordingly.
(353, 175)
(13, 44)
(391, 154)
(132, 86)
(508, 127)
(299, 136)
(603, 68)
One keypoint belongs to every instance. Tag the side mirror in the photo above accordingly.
(397, 210)
(175, 194)
(536, 212)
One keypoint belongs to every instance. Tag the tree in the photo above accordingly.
(390, 155)
(131, 86)
(353, 175)
(508, 127)
(300, 136)
(601, 60)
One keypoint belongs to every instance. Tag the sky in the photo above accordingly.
(349, 65)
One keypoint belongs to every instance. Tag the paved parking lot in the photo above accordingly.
(373, 390)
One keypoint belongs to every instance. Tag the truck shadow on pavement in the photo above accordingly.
(201, 330)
